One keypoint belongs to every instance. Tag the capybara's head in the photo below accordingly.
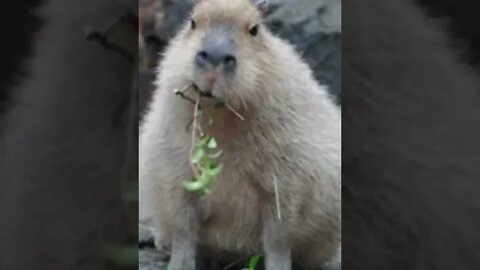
(223, 44)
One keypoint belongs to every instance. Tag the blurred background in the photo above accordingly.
(68, 135)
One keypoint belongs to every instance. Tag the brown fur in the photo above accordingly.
(291, 132)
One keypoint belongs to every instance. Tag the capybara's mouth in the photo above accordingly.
(202, 93)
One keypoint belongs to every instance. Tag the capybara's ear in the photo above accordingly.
(262, 5)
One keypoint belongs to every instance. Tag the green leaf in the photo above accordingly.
(252, 263)
(200, 183)
(215, 155)
(192, 185)
(204, 192)
(212, 144)
(199, 154)
(214, 170)
(204, 141)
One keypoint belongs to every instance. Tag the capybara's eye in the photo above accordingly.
(193, 24)
(254, 30)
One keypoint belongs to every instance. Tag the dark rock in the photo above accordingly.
(151, 259)
(313, 27)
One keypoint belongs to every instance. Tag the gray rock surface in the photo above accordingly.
(151, 259)
(314, 27)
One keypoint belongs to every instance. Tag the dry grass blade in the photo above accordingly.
(235, 112)
(277, 197)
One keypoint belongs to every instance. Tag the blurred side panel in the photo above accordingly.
(68, 135)
(411, 154)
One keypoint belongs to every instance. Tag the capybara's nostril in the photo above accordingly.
(229, 61)
(201, 58)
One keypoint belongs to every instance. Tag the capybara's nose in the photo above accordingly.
(216, 57)
(218, 49)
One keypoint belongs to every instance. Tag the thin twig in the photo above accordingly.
(277, 198)
(185, 89)
(232, 264)
(182, 92)
(192, 148)
(235, 112)
(101, 35)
